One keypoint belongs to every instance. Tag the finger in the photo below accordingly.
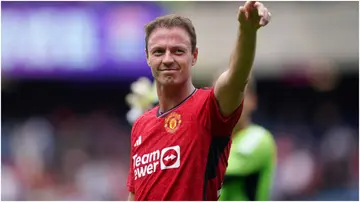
(258, 5)
(249, 5)
(256, 11)
(260, 9)
(242, 13)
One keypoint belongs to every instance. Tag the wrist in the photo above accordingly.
(247, 30)
(247, 33)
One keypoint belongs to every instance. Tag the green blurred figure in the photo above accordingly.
(252, 159)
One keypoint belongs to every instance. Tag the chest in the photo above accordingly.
(171, 137)
(166, 143)
(174, 129)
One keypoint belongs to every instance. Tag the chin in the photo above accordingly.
(172, 80)
(169, 80)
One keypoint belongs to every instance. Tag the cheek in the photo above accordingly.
(154, 65)
(185, 71)
(185, 64)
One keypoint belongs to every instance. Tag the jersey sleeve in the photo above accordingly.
(130, 180)
(252, 153)
(218, 124)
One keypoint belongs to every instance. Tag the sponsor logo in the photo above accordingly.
(149, 163)
(172, 122)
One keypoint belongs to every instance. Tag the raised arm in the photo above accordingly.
(230, 86)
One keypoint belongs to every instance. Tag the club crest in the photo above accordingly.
(172, 122)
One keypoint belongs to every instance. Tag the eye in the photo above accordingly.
(158, 52)
(179, 52)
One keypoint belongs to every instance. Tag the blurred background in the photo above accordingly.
(66, 68)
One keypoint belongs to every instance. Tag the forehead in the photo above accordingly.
(169, 36)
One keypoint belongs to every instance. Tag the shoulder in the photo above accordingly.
(198, 101)
(198, 97)
(267, 143)
(264, 133)
(255, 138)
(205, 90)
(260, 130)
(204, 93)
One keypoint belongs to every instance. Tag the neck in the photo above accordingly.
(171, 96)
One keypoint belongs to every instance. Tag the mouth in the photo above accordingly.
(169, 70)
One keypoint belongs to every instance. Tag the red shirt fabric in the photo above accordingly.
(181, 154)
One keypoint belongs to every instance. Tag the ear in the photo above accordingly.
(195, 56)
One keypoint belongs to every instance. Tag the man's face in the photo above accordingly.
(169, 55)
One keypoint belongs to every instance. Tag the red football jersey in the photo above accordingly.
(181, 154)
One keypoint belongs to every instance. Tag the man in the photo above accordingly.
(180, 148)
(252, 157)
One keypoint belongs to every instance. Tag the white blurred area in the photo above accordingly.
(69, 141)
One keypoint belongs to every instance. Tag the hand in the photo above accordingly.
(253, 15)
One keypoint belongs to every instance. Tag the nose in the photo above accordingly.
(168, 59)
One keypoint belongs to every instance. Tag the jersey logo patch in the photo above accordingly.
(148, 163)
(172, 122)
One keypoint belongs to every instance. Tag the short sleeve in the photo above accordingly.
(218, 124)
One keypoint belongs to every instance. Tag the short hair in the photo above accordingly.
(171, 21)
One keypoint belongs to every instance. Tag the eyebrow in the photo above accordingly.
(160, 47)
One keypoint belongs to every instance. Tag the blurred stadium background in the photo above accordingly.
(67, 66)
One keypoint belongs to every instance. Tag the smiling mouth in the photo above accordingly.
(169, 70)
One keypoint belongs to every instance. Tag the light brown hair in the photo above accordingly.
(171, 21)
